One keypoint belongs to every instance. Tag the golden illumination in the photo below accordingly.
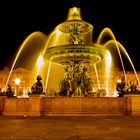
(97, 76)
(49, 67)
(37, 34)
(39, 64)
(105, 32)
(123, 50)
(108, 32)
(74, 14)
(108, 66)
(108, 62)
(58, 38)
(119, 81)
(17, 81)
(71, 42)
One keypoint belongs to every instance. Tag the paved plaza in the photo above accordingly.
(69, 128)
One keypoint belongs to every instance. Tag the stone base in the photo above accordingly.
(35, 105)
(133, 104)
(16, 106)
(83, 106)
(2, 102)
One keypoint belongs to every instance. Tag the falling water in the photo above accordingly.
(20, 50)
(39, 64)
(131, 63)
(49, 67)
(49, 40)
(58, 38)
(117, 44)
(126, 54)
(108, 31)
(97, 76)
(108, 67)
(40, 60)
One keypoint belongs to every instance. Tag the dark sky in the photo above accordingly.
(21, 18)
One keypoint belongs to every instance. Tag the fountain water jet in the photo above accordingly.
(71, 44)
(37, 37)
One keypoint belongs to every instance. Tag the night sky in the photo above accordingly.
(19, 19)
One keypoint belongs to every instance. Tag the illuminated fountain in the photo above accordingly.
(69, 48)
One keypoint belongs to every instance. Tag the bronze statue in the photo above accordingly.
(37, 87)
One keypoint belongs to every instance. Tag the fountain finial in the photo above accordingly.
(74, 14)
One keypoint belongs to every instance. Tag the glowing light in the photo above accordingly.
(115, 94)
(108, 65)
(119, 81)
(108, 62)
(97, 76)
(46, 86)
(59, 38)
(28, 39)
(17, 81)
(119, 45)
(74, 13)
(39, 64)
(105, 32)
(49, 41)
(108, 31)
(3, 89)
(24, 91)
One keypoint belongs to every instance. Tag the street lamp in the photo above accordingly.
(17, 82)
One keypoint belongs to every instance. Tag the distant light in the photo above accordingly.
(17, 81)
(119, 81)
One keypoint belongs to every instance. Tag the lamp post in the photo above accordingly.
(17, 82)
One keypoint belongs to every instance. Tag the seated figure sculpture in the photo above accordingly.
(37, 87)
(70, 90)
(9, 92)
(76, 81)
(121, 86)
(64, 84)
(79, 90)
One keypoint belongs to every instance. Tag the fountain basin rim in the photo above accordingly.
(75, 52)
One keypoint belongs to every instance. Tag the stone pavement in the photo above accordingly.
(69, 128)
